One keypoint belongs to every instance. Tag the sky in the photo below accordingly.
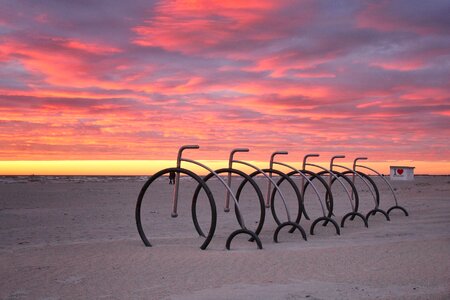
(135, 80)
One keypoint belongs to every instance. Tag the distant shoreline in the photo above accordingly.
(138, 175)
(22, 179)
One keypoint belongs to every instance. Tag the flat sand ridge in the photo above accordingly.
(79, 240)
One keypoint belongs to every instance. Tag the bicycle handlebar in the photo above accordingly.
(280, 152)
(333, 158)
(189, 147)
(360, 158)
(273, 156)
(180, 151)
(338, 156)
(235, 150)
(240, 150)
(355, 160)
(306, 157)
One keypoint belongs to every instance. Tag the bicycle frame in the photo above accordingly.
(355, 165)
(354, 174)
(180, 159)
(293, 224)
(230, 163)
(273, 162)
(332, 174)
(382, 177)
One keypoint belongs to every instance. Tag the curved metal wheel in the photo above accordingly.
(350, 183)
(294, 226)
(252, 235)
(354, 192)
(372, 183)
(329, 201)
(293, 185)
(329, 195)
(398, 207)
(374, 211)
(353, 215)
(377, 209)
(247, 178)
(202, 185)
(326, 220)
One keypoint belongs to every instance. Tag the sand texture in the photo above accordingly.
(78, 240)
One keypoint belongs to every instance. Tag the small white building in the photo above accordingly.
(402, 173)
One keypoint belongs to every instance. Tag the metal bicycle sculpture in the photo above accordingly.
(374, 211)
(369, 183)
(340, 178)
(308, 176)
(249, 178)
(267, 173)
(246, 178)
(201, 185)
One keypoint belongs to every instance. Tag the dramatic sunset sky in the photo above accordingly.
(83, 81)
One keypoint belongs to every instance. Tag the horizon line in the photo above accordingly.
(146, 167)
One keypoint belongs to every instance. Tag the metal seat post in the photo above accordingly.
(306, 157)
(305, 164)
(272, 158)
(332, 164)
(354, 166)
(355, 160)
(230, 165)
(176, 187)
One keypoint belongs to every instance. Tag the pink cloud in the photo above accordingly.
(303, 76)
(417, 16)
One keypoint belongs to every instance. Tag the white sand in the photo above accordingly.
(79, 241)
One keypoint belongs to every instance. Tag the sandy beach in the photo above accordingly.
(77, 239)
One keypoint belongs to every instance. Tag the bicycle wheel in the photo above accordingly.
(348, 181)
(324, 184)
(329, 202)
(202, 185)
(354, 213)
(289, 222)
(247, 178)
(272, 208)
(376, 209)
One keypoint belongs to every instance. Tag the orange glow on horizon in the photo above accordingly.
(149, 167)
(287, 75)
